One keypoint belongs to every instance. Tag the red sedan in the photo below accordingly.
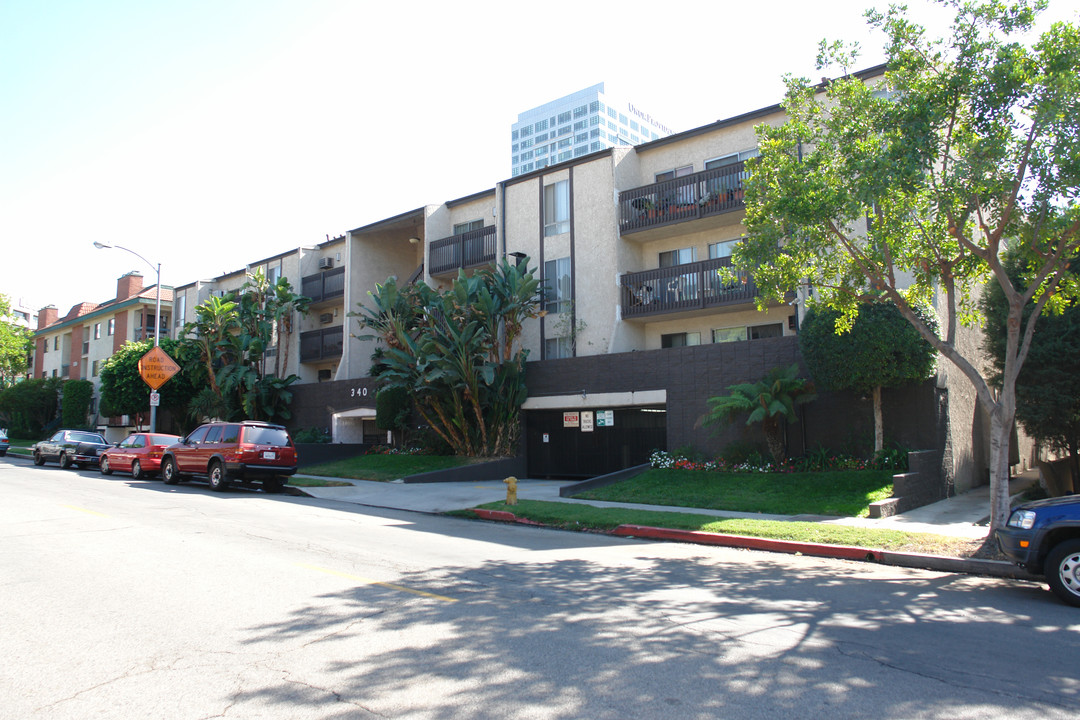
(139, 454)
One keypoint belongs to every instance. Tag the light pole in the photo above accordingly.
(157, 310)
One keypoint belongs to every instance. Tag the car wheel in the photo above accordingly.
(105, 468)
(168, 471)
(216, 476)
(65, 461)
(136, 470)
(38, 458)
(1062, 571)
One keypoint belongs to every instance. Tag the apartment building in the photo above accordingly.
(75, 346)
(577, 124)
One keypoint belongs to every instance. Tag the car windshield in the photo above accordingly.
(86, 437)
(266, 436)
(163, 439)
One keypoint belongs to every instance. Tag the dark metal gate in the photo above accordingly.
(558, 451)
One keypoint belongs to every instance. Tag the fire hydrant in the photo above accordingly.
(511, 490)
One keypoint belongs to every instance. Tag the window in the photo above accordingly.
(214, 434)
(527, 155)
(557, 285)
(112, 321)
(581, 137)
(732, 334)
(564, 117)
(526, 143)
(540, 138)
(581, 111)
(682, 256)
(45, 345)
(594, 121)
(582, 150)
(623, 120)
(97, 331)
(557, 208)
(94, 369)
(683, 339)
(566, 142)
(634, 127)
(756, 332)
(526, 131)
(677, 172)
(722, 249)
(753, 332)
(731, 159)
(273, 274)
(514, 135)
(558, 348)
(462, 228)
(86, 347)
(580, 125)
(56, 343)
(611, 113)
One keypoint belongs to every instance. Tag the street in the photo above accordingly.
(133, 599)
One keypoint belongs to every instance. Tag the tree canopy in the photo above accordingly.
(880, 350)
(457, 353)
(16, 344)
(912, 186)
(123, 391)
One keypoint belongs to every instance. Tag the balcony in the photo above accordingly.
(471, 249)
(683, 288)
(691, 197)
(325, 344)
(326, 285)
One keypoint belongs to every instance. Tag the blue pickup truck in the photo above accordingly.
(1044, 537)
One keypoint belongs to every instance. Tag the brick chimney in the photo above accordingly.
(129, 285)
(47, 316)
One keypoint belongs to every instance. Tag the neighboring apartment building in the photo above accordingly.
(75, 346)
(23, 315)
(642, 325)
(578, 124)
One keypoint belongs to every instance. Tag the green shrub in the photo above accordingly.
(311, 435)
(76, 402)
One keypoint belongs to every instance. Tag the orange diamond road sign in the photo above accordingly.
(156, 367)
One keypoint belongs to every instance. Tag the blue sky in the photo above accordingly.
(205, 135)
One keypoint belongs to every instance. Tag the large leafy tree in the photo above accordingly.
(16, 344)
(915, 186)
(232, 334)
(1048, 386)
(457, 353)
(880, 350)
(768, 401)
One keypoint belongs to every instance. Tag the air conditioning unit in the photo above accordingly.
(324, 375)
(326, 263)
(326, 318)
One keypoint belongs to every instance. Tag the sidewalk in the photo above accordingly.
(962, 516)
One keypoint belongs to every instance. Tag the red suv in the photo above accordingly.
(225, 452)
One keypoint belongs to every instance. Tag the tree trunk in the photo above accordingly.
(1000, 434)
(879, 422)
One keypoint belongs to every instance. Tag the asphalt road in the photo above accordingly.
(133, 599)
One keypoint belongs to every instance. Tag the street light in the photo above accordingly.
(157, 310)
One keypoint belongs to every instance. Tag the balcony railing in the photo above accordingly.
(476, 247)
(325, 285)
(693, 286)
(325, 344)
(690, 197)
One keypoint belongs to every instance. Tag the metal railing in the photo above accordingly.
(324, 344)
(690, 197)
(693, 286)
(324, 285)
(470, 249)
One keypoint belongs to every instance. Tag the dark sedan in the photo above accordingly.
(71, 447)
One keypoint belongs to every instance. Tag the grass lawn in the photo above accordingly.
(574, 516)
(844, 493)
(384, 467)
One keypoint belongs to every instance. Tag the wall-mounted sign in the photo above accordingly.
(605, 418)
(570, 419)
(587, 421)
(547, 438)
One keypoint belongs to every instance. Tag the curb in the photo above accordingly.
(993, 568)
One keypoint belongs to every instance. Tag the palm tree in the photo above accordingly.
(767, 401)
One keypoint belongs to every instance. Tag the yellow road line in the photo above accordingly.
(84, 510)
(369, 581)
